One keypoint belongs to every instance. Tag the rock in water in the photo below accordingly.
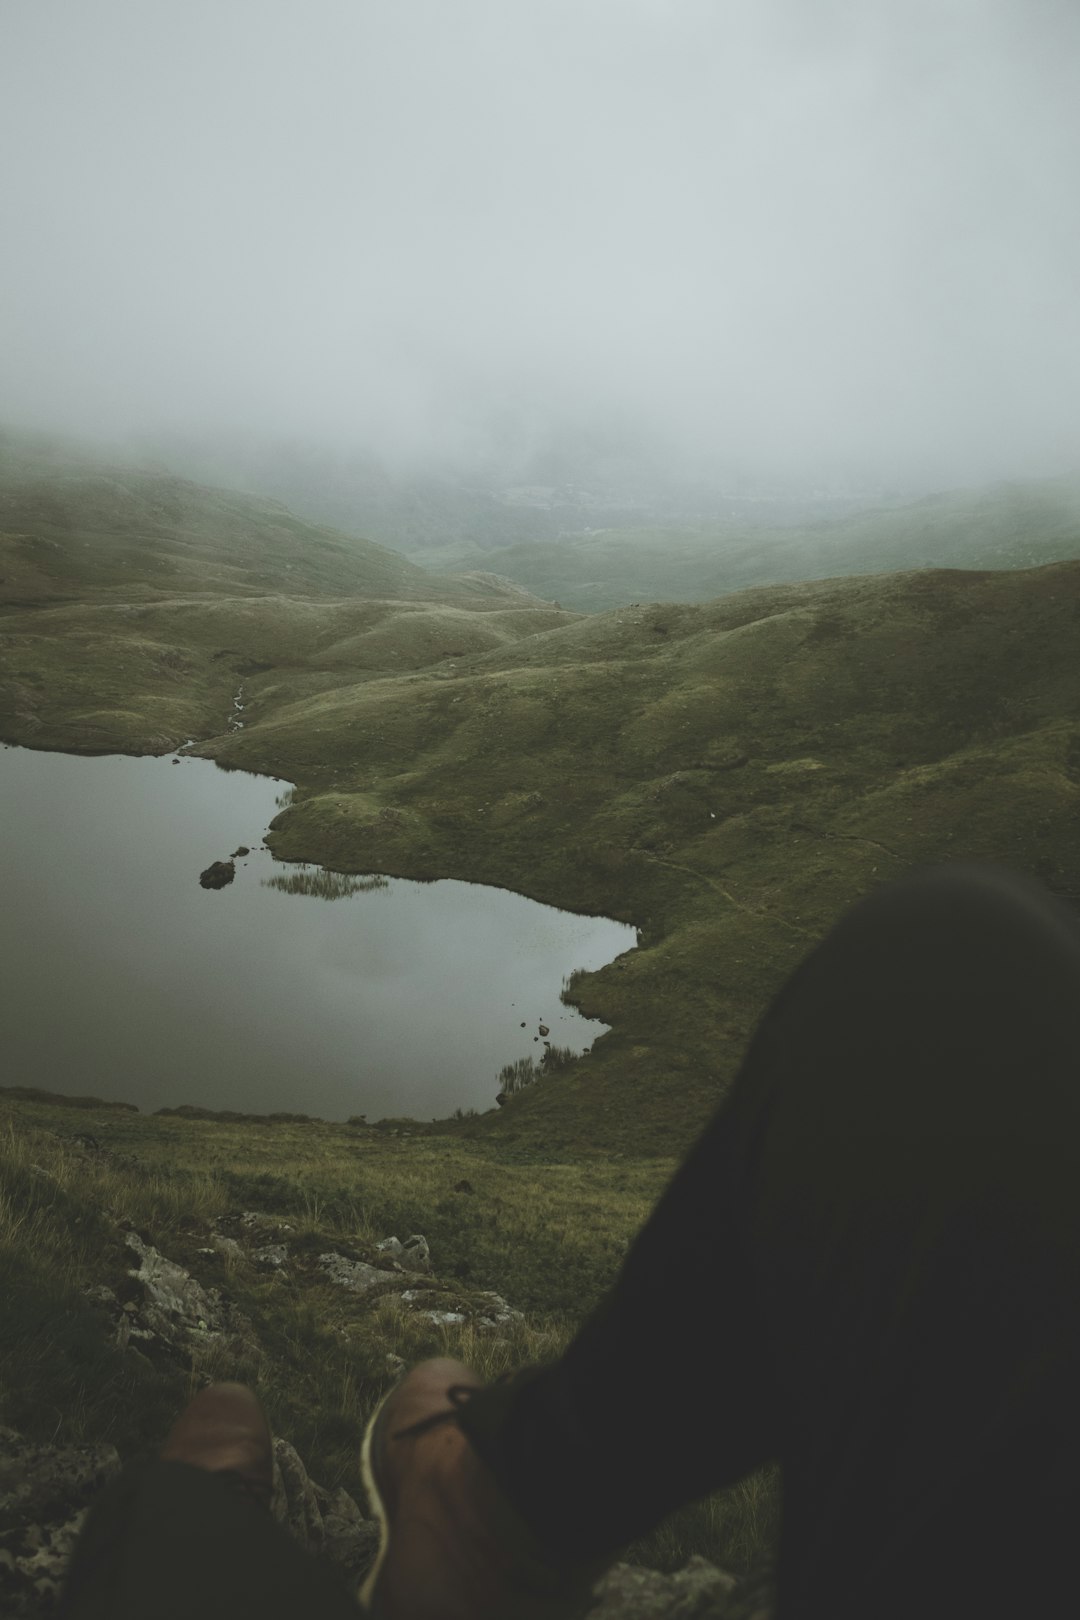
(217, 875)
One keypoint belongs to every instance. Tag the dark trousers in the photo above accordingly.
(866, 1268)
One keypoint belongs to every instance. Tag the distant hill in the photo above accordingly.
(133, 603)
(72, 525)
(464, 517)
(1013, 525)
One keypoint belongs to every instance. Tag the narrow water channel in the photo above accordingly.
(288, 989)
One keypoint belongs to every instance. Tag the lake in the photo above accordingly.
(122, 978)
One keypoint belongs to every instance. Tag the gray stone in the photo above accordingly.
(174, 1304)
(699, 1591)
(254, 1219)
(272, 1257)
(45, 1492)
(412, 1255)
(354, 1274)
(327, 1523)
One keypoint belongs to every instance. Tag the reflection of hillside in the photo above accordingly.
(326, 885)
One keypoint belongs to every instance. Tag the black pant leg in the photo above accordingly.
(915, 1227)
(167, 1541)
(864, 1266)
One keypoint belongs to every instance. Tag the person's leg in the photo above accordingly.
(865, 1267)
(176, 1542)
(190, 1533)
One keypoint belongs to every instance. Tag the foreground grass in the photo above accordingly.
(549, 1237)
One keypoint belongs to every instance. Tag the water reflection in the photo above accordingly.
(315, 880)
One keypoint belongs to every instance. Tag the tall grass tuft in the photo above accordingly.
(526, 1071)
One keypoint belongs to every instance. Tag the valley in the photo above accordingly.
(727, 775)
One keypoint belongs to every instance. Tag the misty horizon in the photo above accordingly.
(828, 246)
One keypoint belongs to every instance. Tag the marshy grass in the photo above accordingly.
(526, 1071)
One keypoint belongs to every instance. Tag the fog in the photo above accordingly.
(816, 240)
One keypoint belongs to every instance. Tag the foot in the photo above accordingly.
(224, 1430)
(452, 1546)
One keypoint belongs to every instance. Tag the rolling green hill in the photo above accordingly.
(132, 604)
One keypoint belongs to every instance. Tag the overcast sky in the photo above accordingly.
(791, 233)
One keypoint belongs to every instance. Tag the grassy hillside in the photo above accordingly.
(1018, 525)
(73, 527)
(133, 604)
(728, 776)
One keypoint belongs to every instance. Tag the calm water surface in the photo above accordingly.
(122, 978)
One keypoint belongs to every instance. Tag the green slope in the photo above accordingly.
(73, 527)
(134, 604)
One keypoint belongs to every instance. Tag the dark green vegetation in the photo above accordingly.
(1017, 525)
(729, 776)
(549, 1237)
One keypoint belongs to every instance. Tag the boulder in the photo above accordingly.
(356, 1275)
(169, 1313)
(218, 874)
(412, 1255)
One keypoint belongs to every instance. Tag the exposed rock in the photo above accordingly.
(498, 1311)
(218, 874)
(327, 1523)
(273, 1256)
(486, 1309)
(174, 1312)
(412, 1255)
(544, 1030)
(45, 1492)
(698, 1591)
(254, 1219)
(243, 850)
(174, 1304)
(354, 1274)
